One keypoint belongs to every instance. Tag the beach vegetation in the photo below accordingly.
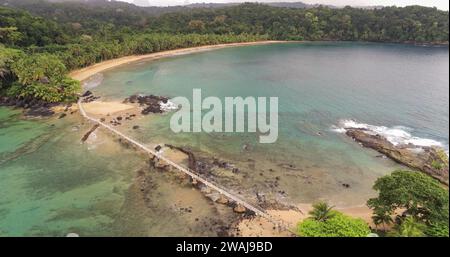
(337, 225)
(73, 35)
(409, 227)
(322, 211)
(405, 194)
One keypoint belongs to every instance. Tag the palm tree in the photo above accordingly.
(410, 227)
(382, 217)
(322, 211)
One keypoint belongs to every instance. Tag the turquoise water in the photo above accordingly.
(401, 87)
(51, 184)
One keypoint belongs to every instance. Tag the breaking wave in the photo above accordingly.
(397, 135)
(169, 106)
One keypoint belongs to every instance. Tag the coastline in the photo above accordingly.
(247, 227)
(85, 73)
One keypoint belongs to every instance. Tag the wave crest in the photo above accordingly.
(397, 135)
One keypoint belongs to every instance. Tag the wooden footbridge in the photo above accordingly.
(232, 197)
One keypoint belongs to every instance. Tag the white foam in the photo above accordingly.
(397, 135)
(169, 106)
(337, 129)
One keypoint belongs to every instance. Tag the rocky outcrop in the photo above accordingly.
(40, 111)
(430, 160)
(152, 103)
(31, 106)
(34, 107)
(88, 97)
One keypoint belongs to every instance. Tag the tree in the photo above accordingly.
(10, 35)
(322, 211)
(197, 26)
(382, 217)
(42, 76)
(416, 194)
(339, 225)
(38, 67)
(7, 58)
(438, 229)
(409, 227)
(56, 37)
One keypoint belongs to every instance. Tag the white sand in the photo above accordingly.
(105, 108)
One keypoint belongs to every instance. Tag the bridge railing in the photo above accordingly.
(187, 171)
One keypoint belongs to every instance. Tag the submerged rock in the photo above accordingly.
(430, 160)
(86, 136)
(41, 111)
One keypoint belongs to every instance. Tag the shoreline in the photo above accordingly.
(87, 72)
(248, 227)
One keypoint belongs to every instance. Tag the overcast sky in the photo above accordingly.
(441, 4)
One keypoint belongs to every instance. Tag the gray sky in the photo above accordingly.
(441, 4)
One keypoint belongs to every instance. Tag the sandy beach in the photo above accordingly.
(106, 108)
(260, 227)
(83, 74)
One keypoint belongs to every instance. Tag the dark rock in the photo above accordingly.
(62, 115)
(288, 166)
(86, 136)
(151, 102)
(158, 148)
(87, 93)
(346, 185)
(430, 160)
(90, 97)
(136, 127)
(41, 111)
